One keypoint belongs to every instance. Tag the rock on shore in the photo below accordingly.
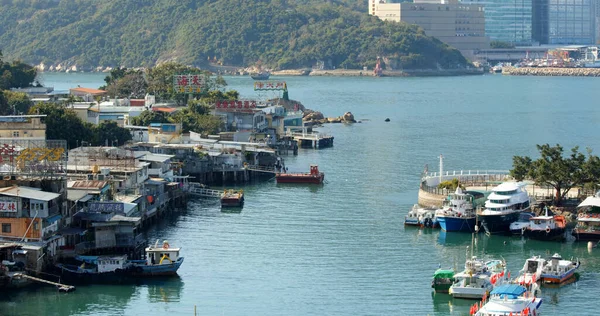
(548, 71)
(314, 118)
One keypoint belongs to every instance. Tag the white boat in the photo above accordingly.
(421, 216)
(503, 207)
(478, 278)
(556, 270)
(518, 227)
(532, 270)
(510, 299)
(546, 227)
(588, 219)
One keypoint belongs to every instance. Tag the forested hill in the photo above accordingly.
(282, 34)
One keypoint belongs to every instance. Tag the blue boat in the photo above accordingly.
(458, 211)
(96, 269)
(160, 261)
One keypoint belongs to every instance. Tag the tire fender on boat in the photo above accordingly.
(547, 229)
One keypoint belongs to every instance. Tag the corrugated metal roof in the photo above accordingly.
(29, 193)
(74, 195)
(86, 184)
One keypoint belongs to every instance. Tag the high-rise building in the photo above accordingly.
(507, 21)
(459, 25)
(565, 21)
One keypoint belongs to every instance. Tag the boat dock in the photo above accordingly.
(61, 287)
(198, 190)
(308, 139)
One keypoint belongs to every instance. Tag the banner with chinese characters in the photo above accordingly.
(106, 207)
(270, 85)
(235, 105)
(33, 157)
(8, 206)
(188, 83)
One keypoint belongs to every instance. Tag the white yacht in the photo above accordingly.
(503, 207)
(510, 299)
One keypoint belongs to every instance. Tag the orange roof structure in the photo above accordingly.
(80, 90)
(164, 109)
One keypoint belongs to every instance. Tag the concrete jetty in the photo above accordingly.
(549, 71)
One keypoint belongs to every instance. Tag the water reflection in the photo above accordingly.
(164, 289)
(313, 188)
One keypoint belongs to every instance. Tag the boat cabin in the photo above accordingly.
(161, 255)
(110, 264)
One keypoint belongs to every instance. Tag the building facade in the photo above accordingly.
(25, 127)
(459, 25)
(507, 21)
(565, 22)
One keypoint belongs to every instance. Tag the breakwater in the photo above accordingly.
(548, 71)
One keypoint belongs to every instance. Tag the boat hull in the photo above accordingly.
(469, 292)
(441, 287)
(456, 224)
(299, 178)
(232, 202)
(498, 224)
(558, 279)
(144, 270)
(411, 222)
(583, 235)
(538, 234)
(70, 274)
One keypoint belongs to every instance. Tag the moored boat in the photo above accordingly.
(421, 216)
(588, 219)
(557, 271)
(263, 75)
(510, 299)
(503, 207)
(546, 227)
(442, 280)
(458, 211)
(96, 269)
(313, 177)
(532, 270)
(232, 198)
(518, 227)
(159, 261)
(478, 278)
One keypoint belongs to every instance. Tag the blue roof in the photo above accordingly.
(512, 290)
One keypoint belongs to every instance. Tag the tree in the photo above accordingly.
(555, 170)
(16, 75)
(17, 102)
(108, 132)
(132, 85)
(63, 123)
(147, 117)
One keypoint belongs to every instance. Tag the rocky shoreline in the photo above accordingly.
(547, 71)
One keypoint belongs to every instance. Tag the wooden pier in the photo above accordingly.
(61, 287)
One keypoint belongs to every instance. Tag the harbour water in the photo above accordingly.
(341, 248)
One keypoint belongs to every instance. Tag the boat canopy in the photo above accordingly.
(509, 290)
(442, 273)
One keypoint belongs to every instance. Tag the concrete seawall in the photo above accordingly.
(546, 71)
(385, 73)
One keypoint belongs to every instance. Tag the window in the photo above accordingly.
(35, 226)
(15, 134)
(6, 228)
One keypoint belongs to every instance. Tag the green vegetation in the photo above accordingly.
(500, 44)
(555, 170)
(280, 34)
(451, 185)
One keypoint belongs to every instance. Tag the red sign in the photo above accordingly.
(8, 206)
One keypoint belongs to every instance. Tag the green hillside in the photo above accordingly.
(281, 34)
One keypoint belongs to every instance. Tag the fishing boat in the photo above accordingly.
(421, 216)
(557, 271)
(96, 269)
(313, 177)
(478, 278)
(160, 261)
(518, 227)
(547, 227)
(510, 299)
(442, 280)
(588, 219)
(503, 207)
(232, 198)
(262, 75)
(532, 270)
(458, 211)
